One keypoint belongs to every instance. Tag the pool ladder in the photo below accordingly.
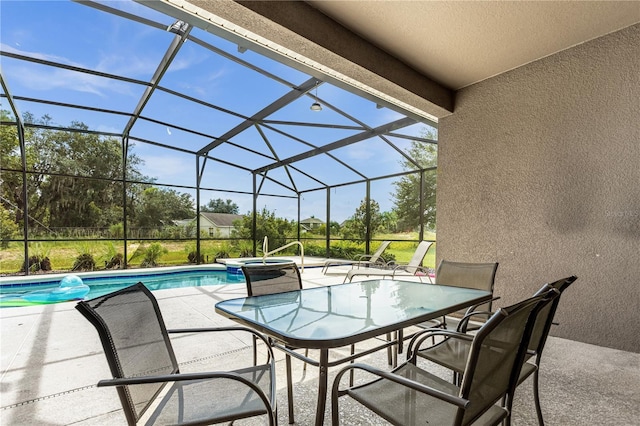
(266, 252)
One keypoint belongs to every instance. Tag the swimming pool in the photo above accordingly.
(12, 292)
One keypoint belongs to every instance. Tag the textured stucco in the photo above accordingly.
(539, 169)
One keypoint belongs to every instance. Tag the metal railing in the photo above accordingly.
(266, 252)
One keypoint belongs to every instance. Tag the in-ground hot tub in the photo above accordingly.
(234, 267)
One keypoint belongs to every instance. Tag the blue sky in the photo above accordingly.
(81, 36)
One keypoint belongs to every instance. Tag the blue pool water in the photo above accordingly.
(99, 286)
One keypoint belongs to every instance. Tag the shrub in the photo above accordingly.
(224, 251)
(45, 264)
(193, 257)
(37, 263)
(39, 260)
(115, 262)
(84, 262)
(152, 254)
(117, 231)
(246, 249)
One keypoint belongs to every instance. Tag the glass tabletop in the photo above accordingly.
(346, 313)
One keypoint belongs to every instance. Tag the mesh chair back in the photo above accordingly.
(376, 255)
(544, 319)
(480, 276)
(271, 278)
(135, 342)
(418, 256)
(496, 355)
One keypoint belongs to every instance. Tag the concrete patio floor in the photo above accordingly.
(51, 360)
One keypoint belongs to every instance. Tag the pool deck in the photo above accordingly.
(51, 360)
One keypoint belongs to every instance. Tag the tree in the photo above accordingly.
(388, 221)
(8, 228)
(407, 195)
(356, 226)
(73, 175)
(220, 206)
(267, 225)
(158, 207)
(334, 228)
(74, 180)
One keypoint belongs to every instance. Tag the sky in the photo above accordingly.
(80, 36)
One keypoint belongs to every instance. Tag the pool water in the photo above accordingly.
(103, 285)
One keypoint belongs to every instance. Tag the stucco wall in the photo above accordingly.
(539, 169)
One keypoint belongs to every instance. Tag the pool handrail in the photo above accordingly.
(266, 252)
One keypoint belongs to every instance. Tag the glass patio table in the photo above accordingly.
(339, 315)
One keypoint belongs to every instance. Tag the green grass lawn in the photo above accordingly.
(63, 254)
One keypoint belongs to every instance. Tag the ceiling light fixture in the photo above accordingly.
(178, 27)
(316, 105)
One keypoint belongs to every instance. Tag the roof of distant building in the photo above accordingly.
(221, 219)
(312, 220)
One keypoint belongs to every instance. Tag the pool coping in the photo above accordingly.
(37, 279)
(221, 265)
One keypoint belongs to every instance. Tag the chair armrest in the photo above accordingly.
(423, 269)
(179, 377)
(363, 260)
(451, 399)
(196, 376)
(421, 336)
(361, 257)
(471, 311)
(474, 307)
(464, 321)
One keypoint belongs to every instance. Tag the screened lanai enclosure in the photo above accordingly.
(124, 125)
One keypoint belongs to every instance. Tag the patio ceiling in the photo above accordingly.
(132, 72)
(459, 43)
(422, 52)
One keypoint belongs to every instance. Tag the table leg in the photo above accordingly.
(322, 386)
(289, 388)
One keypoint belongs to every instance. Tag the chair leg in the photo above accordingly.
(255, 350)
(536, 397)
(507, 402)
(389, 350)
(334, 407)
(304, 364)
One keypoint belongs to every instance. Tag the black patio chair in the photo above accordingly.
(409, 395)
(480, 276)
(453, 351)
(147, 375)
(272, 278)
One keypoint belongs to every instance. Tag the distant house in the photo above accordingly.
(311, 223)
(217, 224)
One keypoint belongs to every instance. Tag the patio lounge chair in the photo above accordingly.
(147, 375)
(413, 268)
(361, 260)
(409, 395)
(453, 351)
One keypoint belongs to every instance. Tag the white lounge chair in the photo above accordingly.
(361, 260)
(413, 268)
